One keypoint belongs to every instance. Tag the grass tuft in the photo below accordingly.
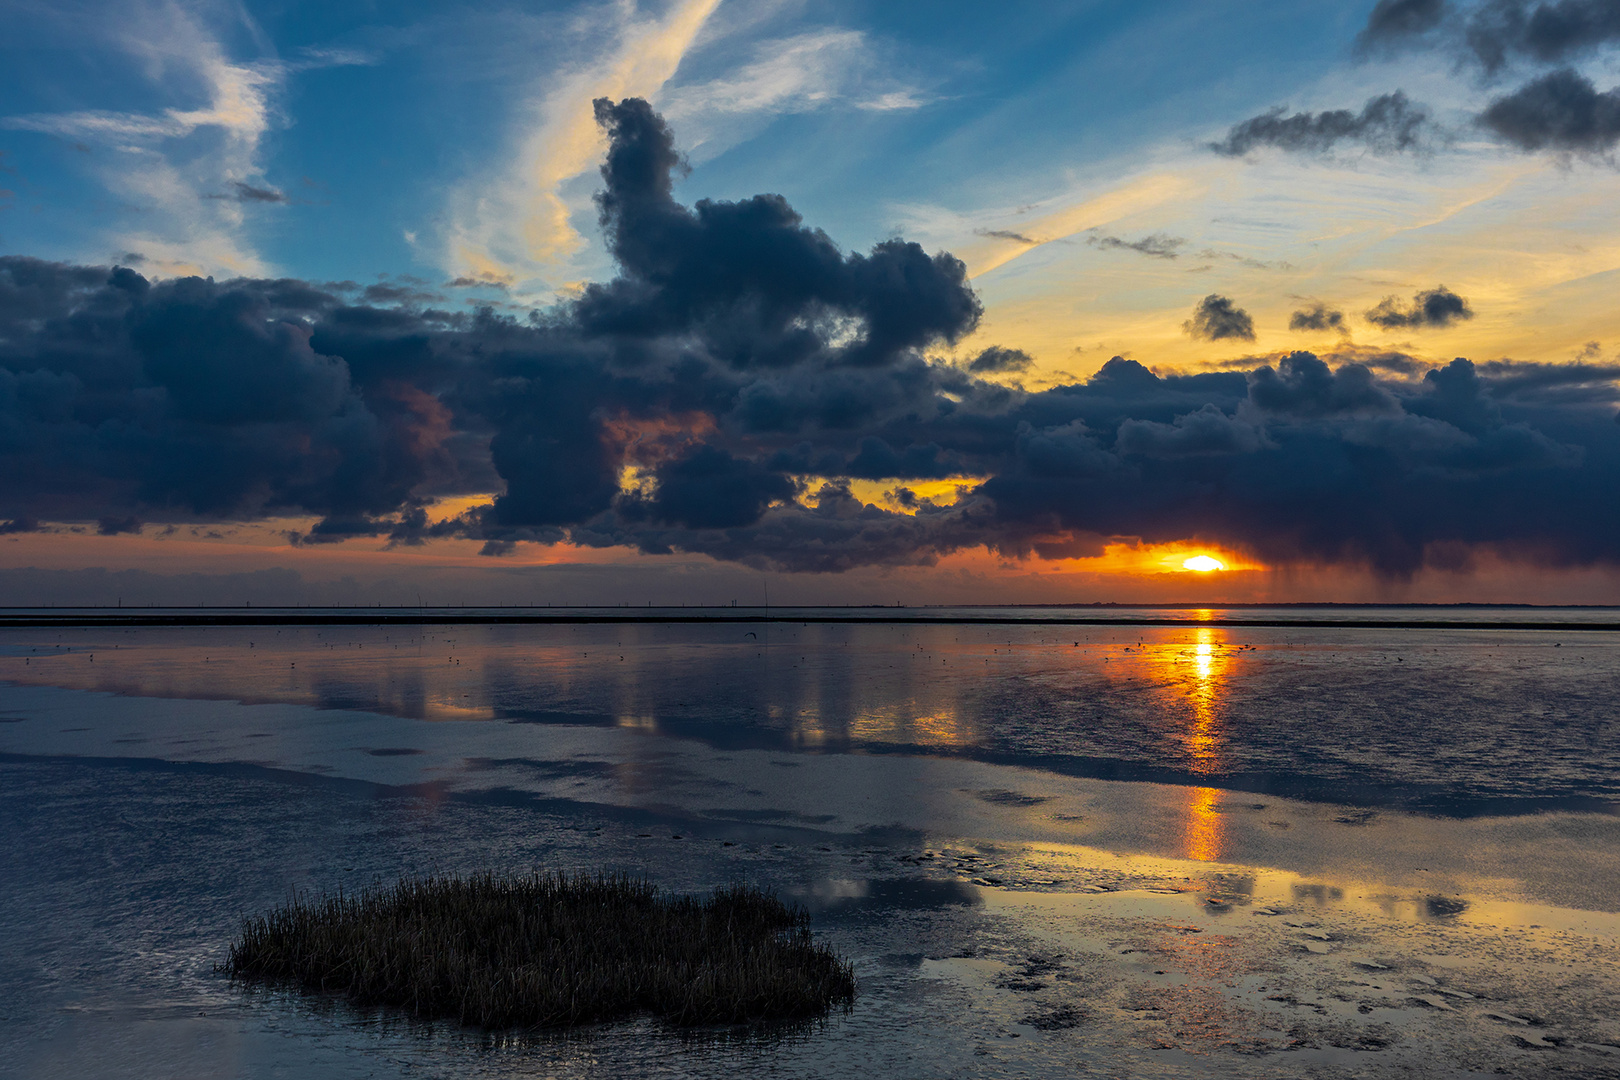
(549, 950)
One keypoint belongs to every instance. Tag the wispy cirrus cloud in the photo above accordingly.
(190, 169)
(802, 73)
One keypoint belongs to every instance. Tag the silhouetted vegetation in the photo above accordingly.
(550, 951)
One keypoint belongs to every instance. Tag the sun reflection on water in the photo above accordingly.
(1203, 740)
(1200, 675)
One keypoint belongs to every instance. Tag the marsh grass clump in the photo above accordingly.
(549, 950)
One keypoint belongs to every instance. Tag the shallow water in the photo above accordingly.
(1184, 850)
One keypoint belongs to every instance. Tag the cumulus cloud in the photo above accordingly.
(1389, 123)
(1432, 308)
(1318, 316)
(1561, 111)
(722, 391)
(1216, 318)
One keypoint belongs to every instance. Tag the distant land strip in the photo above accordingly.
(158, 617)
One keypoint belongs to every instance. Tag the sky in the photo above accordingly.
(852, 303)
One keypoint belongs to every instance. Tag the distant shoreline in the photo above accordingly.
(955, 615)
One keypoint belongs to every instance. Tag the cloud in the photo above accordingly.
(1216, 318)
(1002, 246)
(1394, 22)
(711, 489)
(114, 526)
(1436, 307)
(1156, 245)
(520, 226)
(998, 359)
(1562, 111)
(1196, 434)
(1389, 123)
(823, 68)
(1006, 234)
(1302, 385)
(721, 393)
(1545, 33)
(172, 164)
(1318, 316)
(250, 193)
(1495, 33)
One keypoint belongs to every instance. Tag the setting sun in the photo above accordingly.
(1203, 564)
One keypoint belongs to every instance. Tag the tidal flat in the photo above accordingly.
(1177, 850)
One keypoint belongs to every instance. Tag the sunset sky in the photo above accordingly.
(865, 303)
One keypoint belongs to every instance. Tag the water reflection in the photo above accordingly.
(943, 727)
(1203, 830)
(1199, 673)
(1205, 691)
(1399, 718)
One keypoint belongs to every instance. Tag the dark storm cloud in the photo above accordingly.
(1379, 360)
(1216, 318)
(119, 396)
(1207, 431)
(742, 370)
(1553, 384)
(1562, 110)
(1301, 385)
(710, 489)
(1435, 307)
(1157, 245)
(753, 268)
(1389, 123)
(1317, 316)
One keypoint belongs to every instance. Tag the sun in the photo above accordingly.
(1204, 564)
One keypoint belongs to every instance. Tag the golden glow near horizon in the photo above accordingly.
(1203, 564)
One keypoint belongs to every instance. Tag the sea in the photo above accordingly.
(1100, 841)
